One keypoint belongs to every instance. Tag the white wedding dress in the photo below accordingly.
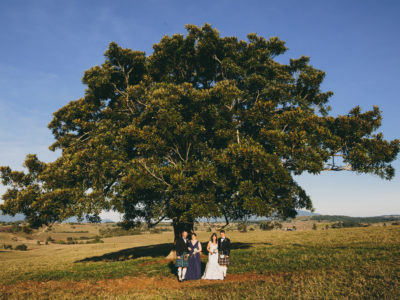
(213, 269)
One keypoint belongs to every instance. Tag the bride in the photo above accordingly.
(213, 269)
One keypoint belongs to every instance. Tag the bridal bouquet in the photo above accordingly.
(215, 251)
(194, 253)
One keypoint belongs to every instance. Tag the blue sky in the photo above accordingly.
(47, 45)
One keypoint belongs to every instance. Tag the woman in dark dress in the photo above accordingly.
(194, 264)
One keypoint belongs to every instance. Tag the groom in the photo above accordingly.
(182, 253)
(224, 249)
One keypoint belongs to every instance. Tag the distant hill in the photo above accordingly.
(21, 217)
(339, 218)
(7, 218)
(75, 220)
(300, 213)
(305, 213)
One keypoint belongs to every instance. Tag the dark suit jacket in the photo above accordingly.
(181, 246)
(224, 246)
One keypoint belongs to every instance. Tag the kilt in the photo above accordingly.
(223, 261)
(181, 262)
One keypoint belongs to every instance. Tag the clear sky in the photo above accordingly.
(47, 45)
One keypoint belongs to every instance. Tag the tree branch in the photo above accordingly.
(237, 136)
(187, 151)
(143, 163)
(169, 159)
(149, 224)
(226, 221)
(284, 127)
(222, 68)
(176, 150)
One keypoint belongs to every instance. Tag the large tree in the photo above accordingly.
(205, 126)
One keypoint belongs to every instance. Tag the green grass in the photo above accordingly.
(300, 258)
(341, 263)
(97, 271)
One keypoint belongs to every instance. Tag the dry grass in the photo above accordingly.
(303, 264)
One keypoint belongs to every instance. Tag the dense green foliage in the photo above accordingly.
(268, 225)
(347, 224)
(21, 247)
(205, 126)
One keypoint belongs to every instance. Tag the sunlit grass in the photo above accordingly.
(334, 263)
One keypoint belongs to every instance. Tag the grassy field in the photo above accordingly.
(346, 263)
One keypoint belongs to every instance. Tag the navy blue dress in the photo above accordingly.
(194, 267)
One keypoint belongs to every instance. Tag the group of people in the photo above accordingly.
(188, 261)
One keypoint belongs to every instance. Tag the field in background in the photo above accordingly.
(305, 263)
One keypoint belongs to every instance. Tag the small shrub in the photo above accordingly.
(7, 246)
(348, 224)
(95, 241)
(166, 229)
(83, 231)
(15, 228)
(110, 232)
(326, 226)
(314, 226)
(21, 247)
(49, 239)
(38, 242)
(208, 229)
(251, 229)
(242, 227)
(269, 225)
(26, 229)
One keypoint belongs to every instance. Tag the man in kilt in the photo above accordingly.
(182, 254)
(224, 249)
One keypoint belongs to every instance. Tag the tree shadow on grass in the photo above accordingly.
(132, 253)
(159, 250)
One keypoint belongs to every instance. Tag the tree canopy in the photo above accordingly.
(205, 126)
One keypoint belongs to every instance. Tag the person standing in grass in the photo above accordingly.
(194, 263)
(182, 253)
(224, 250)
(213, 270)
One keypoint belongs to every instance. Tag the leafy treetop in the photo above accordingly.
(205, 126)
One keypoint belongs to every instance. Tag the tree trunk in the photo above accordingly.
(178, 228)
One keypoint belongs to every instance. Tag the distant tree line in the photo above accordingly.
(377, 219)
